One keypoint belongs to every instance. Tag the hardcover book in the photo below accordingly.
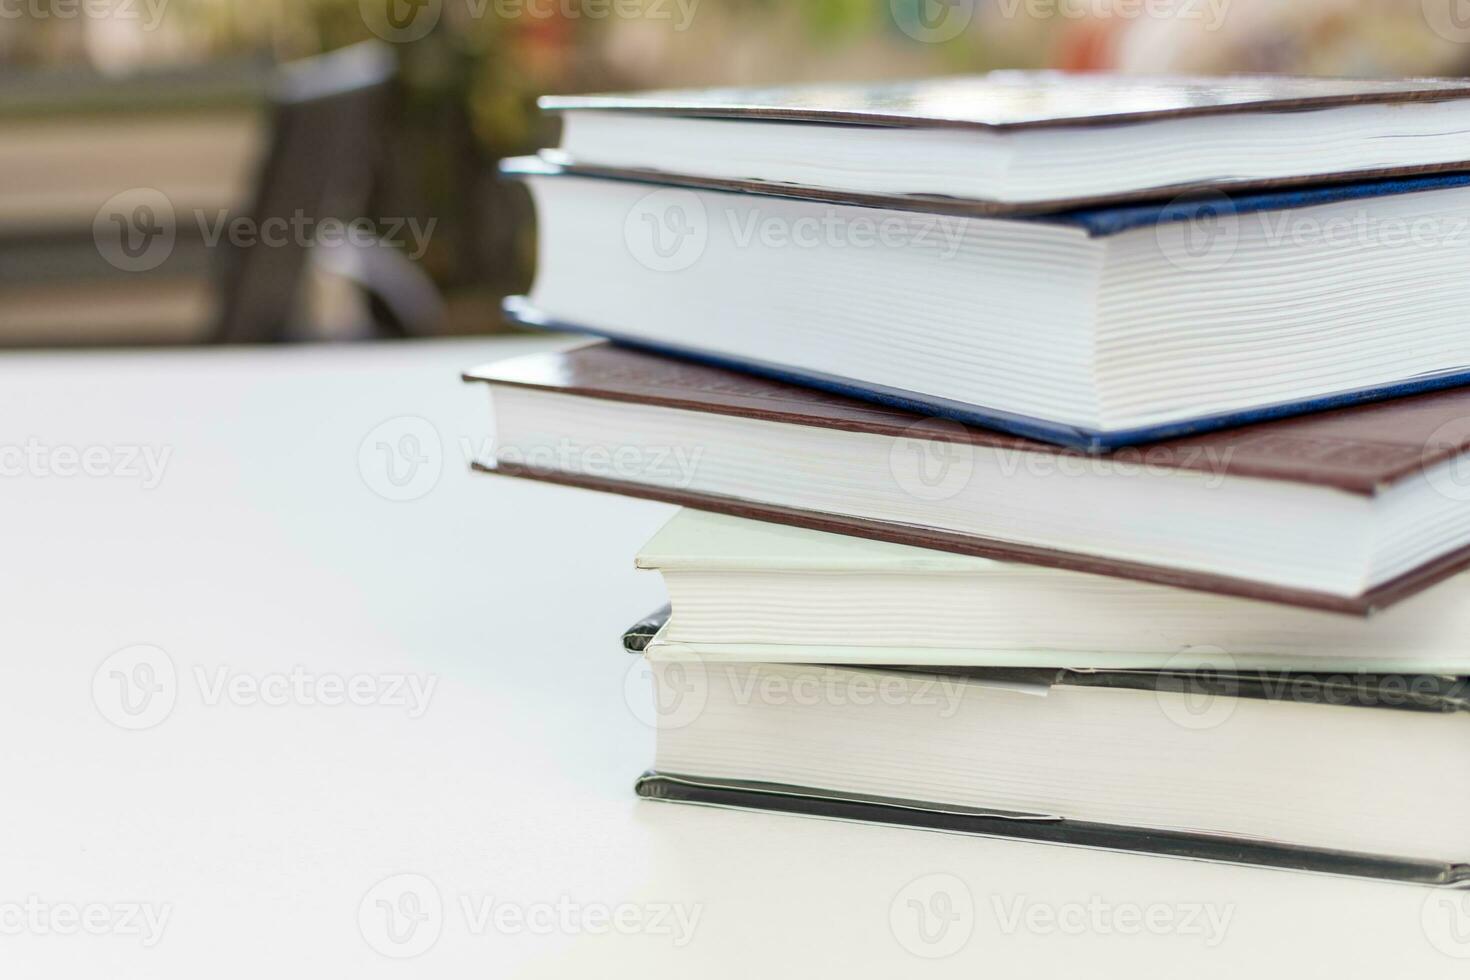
(1350, 510)
(1093, 329)
(746, 591)
(1015, 141)
(1187, 764)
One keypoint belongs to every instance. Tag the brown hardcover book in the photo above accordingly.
(1349, 510)
(1017, 141)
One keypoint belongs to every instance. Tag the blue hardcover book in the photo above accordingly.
(1091, 328)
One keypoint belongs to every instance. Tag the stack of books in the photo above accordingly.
(1073, 458)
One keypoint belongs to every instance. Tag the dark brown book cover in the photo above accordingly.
(1364, 450)
(1022, 99)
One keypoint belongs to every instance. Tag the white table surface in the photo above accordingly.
(261, 830)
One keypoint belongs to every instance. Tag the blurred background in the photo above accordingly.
(150, 147)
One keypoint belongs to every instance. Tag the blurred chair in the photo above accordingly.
(82, 151)
(330, 119)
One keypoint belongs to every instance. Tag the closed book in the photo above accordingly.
(1350, 510)
(746, 591)
(1094, 329)
(1016, 141)
(1338, 774)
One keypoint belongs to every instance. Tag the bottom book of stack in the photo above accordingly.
(1353, 774)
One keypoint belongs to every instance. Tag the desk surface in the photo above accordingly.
(237, 537)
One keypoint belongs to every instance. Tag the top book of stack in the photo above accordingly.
(924, 245)
(1023, 141)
